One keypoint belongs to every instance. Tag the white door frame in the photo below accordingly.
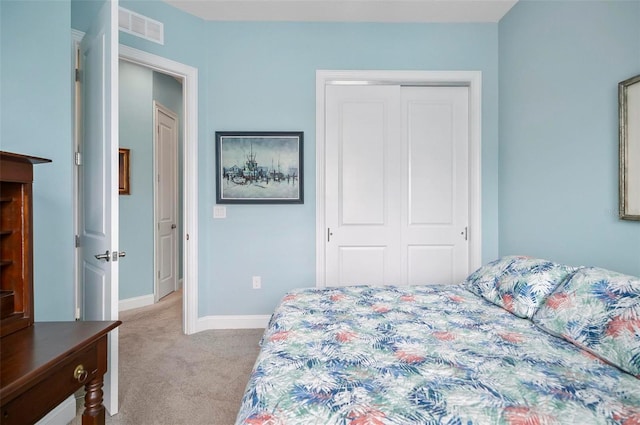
(76, 38)
(189, 76)
(157, 108)
(471, 79)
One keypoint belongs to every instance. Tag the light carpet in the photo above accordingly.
(170, 378)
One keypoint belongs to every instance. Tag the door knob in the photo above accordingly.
(104, 256)
(173, 226)
(122, 254)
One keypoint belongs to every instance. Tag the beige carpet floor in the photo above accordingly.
(173, 379)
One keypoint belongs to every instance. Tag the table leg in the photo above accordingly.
(93, 408)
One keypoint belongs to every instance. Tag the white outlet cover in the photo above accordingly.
(257, 282)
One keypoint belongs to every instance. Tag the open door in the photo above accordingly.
(99, 183)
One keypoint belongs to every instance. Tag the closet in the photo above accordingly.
(397, 184)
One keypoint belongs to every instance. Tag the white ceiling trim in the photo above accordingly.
(449, 11)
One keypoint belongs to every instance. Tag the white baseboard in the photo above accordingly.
(136, 302)
(62, 414)
(232, 322)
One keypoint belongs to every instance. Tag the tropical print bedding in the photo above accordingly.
(424, 355)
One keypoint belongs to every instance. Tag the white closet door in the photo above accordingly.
(435, 184)
(396, 178)
(363, 185)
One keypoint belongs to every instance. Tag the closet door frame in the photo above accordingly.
(471, 79)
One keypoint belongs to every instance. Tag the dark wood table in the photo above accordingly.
(44, 364)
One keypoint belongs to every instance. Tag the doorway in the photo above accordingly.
(188, 234)
(189, 184)
(149, 213)
(373, 96)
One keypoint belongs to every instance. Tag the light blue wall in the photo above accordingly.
(83, 12)
(560, 62)
(262, 77)
(558, 135)
(35, 119)
(136, 209)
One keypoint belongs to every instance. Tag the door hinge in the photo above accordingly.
(329, 234)
(78, 75)
(78, 158)
(465, 233)
(77, 241)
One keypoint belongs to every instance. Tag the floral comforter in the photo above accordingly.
(424, 355)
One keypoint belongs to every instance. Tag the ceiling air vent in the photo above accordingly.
(140, 26)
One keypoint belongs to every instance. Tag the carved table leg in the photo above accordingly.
(93, 408)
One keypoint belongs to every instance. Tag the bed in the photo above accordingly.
(516, 343)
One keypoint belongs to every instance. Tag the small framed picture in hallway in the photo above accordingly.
(123, 172)
(259, 167)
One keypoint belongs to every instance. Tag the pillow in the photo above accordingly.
(516, 283)
(598, 310)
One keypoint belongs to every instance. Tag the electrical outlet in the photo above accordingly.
(257, 282)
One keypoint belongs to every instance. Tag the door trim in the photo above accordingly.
(189, 76)
(157, 108)
(76, 39)
(471, 79)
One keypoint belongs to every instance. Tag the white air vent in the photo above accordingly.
(141, 26)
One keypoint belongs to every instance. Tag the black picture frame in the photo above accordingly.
(259, 167)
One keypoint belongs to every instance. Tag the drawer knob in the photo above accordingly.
(80, 374)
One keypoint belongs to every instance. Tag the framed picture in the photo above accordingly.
(259, 167)
(629, 113)
(123, 172)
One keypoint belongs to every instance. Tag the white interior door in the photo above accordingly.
(435, 184)
(396, 184)
(166, 151)
(99, 183)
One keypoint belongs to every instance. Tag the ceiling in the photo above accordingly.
(347, 10)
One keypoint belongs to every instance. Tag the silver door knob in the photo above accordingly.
(104, 256)
(122, 254)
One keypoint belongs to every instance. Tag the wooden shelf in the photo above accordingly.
(6, 303)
